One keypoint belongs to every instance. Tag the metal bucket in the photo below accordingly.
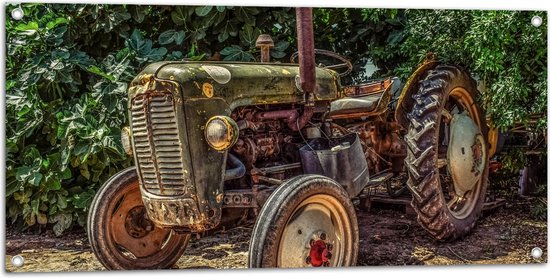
(341, 159)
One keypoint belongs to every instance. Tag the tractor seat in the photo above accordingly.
(361, 104)
(362, 99)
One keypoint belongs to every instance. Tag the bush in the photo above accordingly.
(68, 68)
(501, 48)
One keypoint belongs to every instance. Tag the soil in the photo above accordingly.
(388, 236)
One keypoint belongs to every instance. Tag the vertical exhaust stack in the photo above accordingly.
(306, 51)
(306, 56)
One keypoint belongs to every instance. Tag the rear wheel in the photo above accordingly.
(447, 153)
(121, 235)
(309, 221)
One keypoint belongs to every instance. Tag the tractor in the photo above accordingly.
(286, 144)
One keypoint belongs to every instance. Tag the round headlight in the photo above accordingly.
(221, 132)
(125, 137)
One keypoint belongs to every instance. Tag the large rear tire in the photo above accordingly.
(448, 204)
(307, 221)
(120, 234)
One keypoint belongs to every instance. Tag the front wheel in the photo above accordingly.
(121, 235)
(447, 156)
(309, 221)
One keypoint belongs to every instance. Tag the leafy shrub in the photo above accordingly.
(501, 48)
(539, 208)
(68, 68)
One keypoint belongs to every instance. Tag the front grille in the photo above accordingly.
(157, 144)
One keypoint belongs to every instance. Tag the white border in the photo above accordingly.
(518, 271)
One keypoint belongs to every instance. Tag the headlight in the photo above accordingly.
(221, 132)
(126, 139)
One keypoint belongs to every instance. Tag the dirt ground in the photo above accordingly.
(388, 236)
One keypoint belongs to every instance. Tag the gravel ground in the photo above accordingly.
(387, 237)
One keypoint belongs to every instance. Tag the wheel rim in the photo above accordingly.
(461, 200)
(131, 235)
(318, 233)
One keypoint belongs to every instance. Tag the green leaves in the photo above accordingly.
(138, 43)
(203, 10)
(249, 35)
(95, 69)
(144, 47)
(56, 22)
(83, 200)
(236, 53)
(179, 15)
(278, 50)
(170, 36)
(28, 29)
(62, 222)
(495, 46)
(68, 68)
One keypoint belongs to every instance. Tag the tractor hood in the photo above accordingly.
(181, 176)
(241, 84)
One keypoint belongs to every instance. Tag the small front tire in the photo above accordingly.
(120, 234)
(307, 221)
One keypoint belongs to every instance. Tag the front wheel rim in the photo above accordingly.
(134, 239)
(318, 233)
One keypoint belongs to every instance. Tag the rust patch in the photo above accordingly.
(208, 90)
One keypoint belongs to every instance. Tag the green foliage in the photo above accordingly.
(539, 210)
(501, 48)
(68, 68)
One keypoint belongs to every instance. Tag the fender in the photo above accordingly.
(405, 100)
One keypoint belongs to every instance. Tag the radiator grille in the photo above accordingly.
(157, 144)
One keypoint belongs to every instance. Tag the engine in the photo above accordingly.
(267, 141)
(383, 144)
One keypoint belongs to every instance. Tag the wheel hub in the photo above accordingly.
(137, 224)
(466, 153)
(320, 252)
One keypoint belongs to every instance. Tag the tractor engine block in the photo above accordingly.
(382, 143)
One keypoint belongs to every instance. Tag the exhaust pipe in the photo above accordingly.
(306, 51)
(306, 56)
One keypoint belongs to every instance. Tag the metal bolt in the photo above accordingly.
(536, 21)
(17, 13)
(308, 260)
(264, 42)
(17, 261)
(329, 247)
(536, 252)
(323, 236)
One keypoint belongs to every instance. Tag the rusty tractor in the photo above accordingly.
(216, 143)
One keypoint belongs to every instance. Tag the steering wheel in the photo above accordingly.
(345, 62)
